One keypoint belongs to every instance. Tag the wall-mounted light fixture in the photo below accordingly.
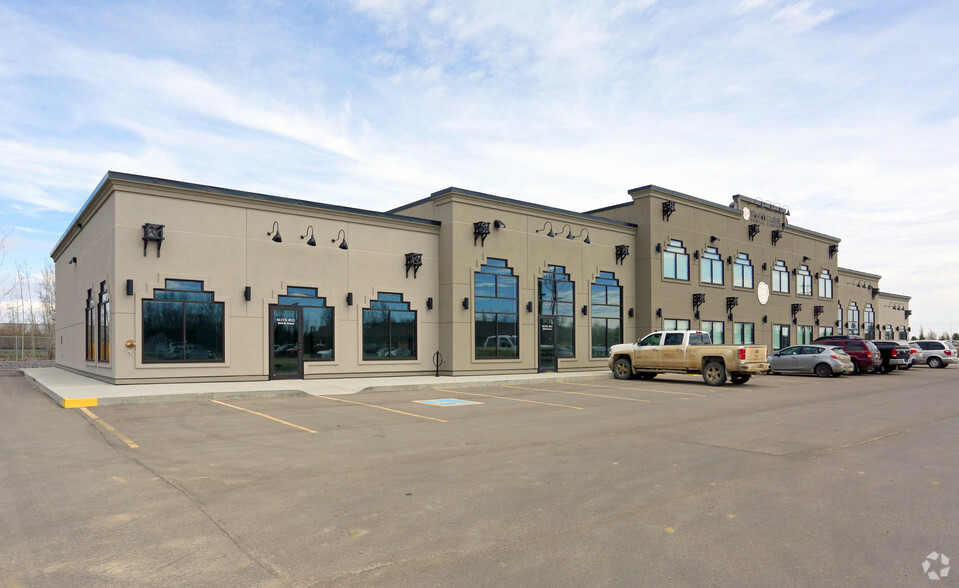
(696, 254)
(413, 260)
(765, 319)
(805, 258)
(794, 271)
(753, 231)
(152, 232)
(498, 224)
(669, 207)
(764, 266)
(837, 279)
(466, 303)
(275, 231)
(776, 235)
(349, 299)
(584, 310)
(529, 307)
(621, 252)
(343, 244)
(569, 235)
(659, 313)
(550, 233)
(247, 293)
(729, 260)
(72, 261)
(429, 303)
(713, 238)
(129, 287)
(630, 313)
(480, 231)
(585, 230)
(659, 247)
(309, 231)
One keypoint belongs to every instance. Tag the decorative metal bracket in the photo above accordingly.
(776, 235)
(796, 308)
(753, 231)
(833, 249)
(731, 303)
(669, 207)
(413, 260)
(875, 292)
(621, 252)
(818, 310)
(698, 300)
(152, 232)
(908, 313)
(480, 231)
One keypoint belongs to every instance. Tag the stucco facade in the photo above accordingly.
(484, 283)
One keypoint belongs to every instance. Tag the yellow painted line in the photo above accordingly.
(266, 416)
(78, 402)
(381, 408)
(639, 389)
(507, 398)
(110, 428)
(577, 393)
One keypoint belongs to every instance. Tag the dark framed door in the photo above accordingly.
(286, 342)
(547, 344)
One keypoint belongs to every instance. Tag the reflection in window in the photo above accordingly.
(676, 324)
(103, 322)
(675, 261)
(496, 300)
(780, 336)
(825, 332)
(716, 330)
(804, 281)
(839, 322)
(869, 319)
(743, 271)
(556, 300)
(182, 323)
(852, 324)
(606, 314)
(317, 322)
(711, 267)
(389, 328)
(804, 335)
(91, 331)
(744, 333)
(825, 284)
(780, 277)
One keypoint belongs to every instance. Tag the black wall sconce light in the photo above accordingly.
(343, 244)
(621, 252)
(584, 310)
(837, 279)
(659, 313)
(569, 235)
(309, 231)
(585, 230)
(480, 231)
(833, 249)
(247, 293)
(415, 261)
(837, 323)
(794, 271)
(765, 319)
(429, 303)
(805, 258)
(498, 224)
(550, 233)
(349, 299)
(698, 300)
(696, 254)
(713, 238)
(466, 303)
(631, 313)
(659, 247)
(776, 235)
(275, 232)
(529, 307)
(72, 261)
(669, 207)
(729, 260)
(152, 232)
(764, 266)
(129, 287)
(753, 231)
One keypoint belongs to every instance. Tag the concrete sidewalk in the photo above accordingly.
(72, 390)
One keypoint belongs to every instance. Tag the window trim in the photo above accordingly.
(416, 330)
(142, 360)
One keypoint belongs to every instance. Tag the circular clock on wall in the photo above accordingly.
(762, 292)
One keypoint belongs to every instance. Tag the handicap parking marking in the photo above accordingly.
(447, 402)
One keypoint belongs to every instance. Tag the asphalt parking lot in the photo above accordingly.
(792, 481)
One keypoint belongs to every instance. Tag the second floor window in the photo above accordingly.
(825, 284)
(711, 267)
(804, 281)
(675, 261)
(743, 271)
(780, 277)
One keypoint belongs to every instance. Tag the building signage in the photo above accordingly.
(762, 217)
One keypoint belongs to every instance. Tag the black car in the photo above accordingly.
(895, 356)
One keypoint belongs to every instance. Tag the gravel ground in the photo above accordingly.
(25, 364)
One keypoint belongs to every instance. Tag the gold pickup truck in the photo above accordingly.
(687, 352)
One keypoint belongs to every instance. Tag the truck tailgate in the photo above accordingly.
(755, 353)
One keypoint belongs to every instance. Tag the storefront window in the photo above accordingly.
(869, 318)
(103, 322)
(556, 300)
(743, 271)
(716, 330)
(389, 328)
(318, 322)
(675, 261)
(91, 331)
(744, 333)
(780, 336)
(804, 335)
(496, 299)
(852, 324)
(825, 331)
(182, 323)
(606, 314)
(676, 324)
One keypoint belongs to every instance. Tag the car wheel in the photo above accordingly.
(622, 369)
(714, 373)
(823, 370)
(935, 362)
(741, 379)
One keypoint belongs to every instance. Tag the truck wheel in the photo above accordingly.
(741, 379)
(935, 362)
(714, 373)
(622, 369)
(823, 370)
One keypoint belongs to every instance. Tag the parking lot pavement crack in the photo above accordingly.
(350, 575)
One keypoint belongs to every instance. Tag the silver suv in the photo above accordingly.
(937, 354)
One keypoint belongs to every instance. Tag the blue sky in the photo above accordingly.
(844, 111)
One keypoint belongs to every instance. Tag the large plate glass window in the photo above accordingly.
(716, 330)
(744, 333)
(780, 277)
(825, 284)
(91, 331)
(318, 322)
(711, 267)
(803, 281)
(804, 335)
(743, 271)
(389, 328)
(869, 319)
(780, 336)
(675, 261)
(826, 332)
(606, 314)
(841, 324)
(496, 300)
(556, 300)
(852, 320)
(182, 323)
(103, 323)
(676, 324)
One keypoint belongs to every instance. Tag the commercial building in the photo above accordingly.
(159, 280)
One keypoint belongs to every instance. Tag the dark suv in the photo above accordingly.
(865, 356)
(895, 356)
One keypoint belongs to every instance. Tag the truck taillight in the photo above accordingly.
(742, 353)
(869, 354)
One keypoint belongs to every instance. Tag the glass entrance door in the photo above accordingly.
(286, 357)
(547, 344)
